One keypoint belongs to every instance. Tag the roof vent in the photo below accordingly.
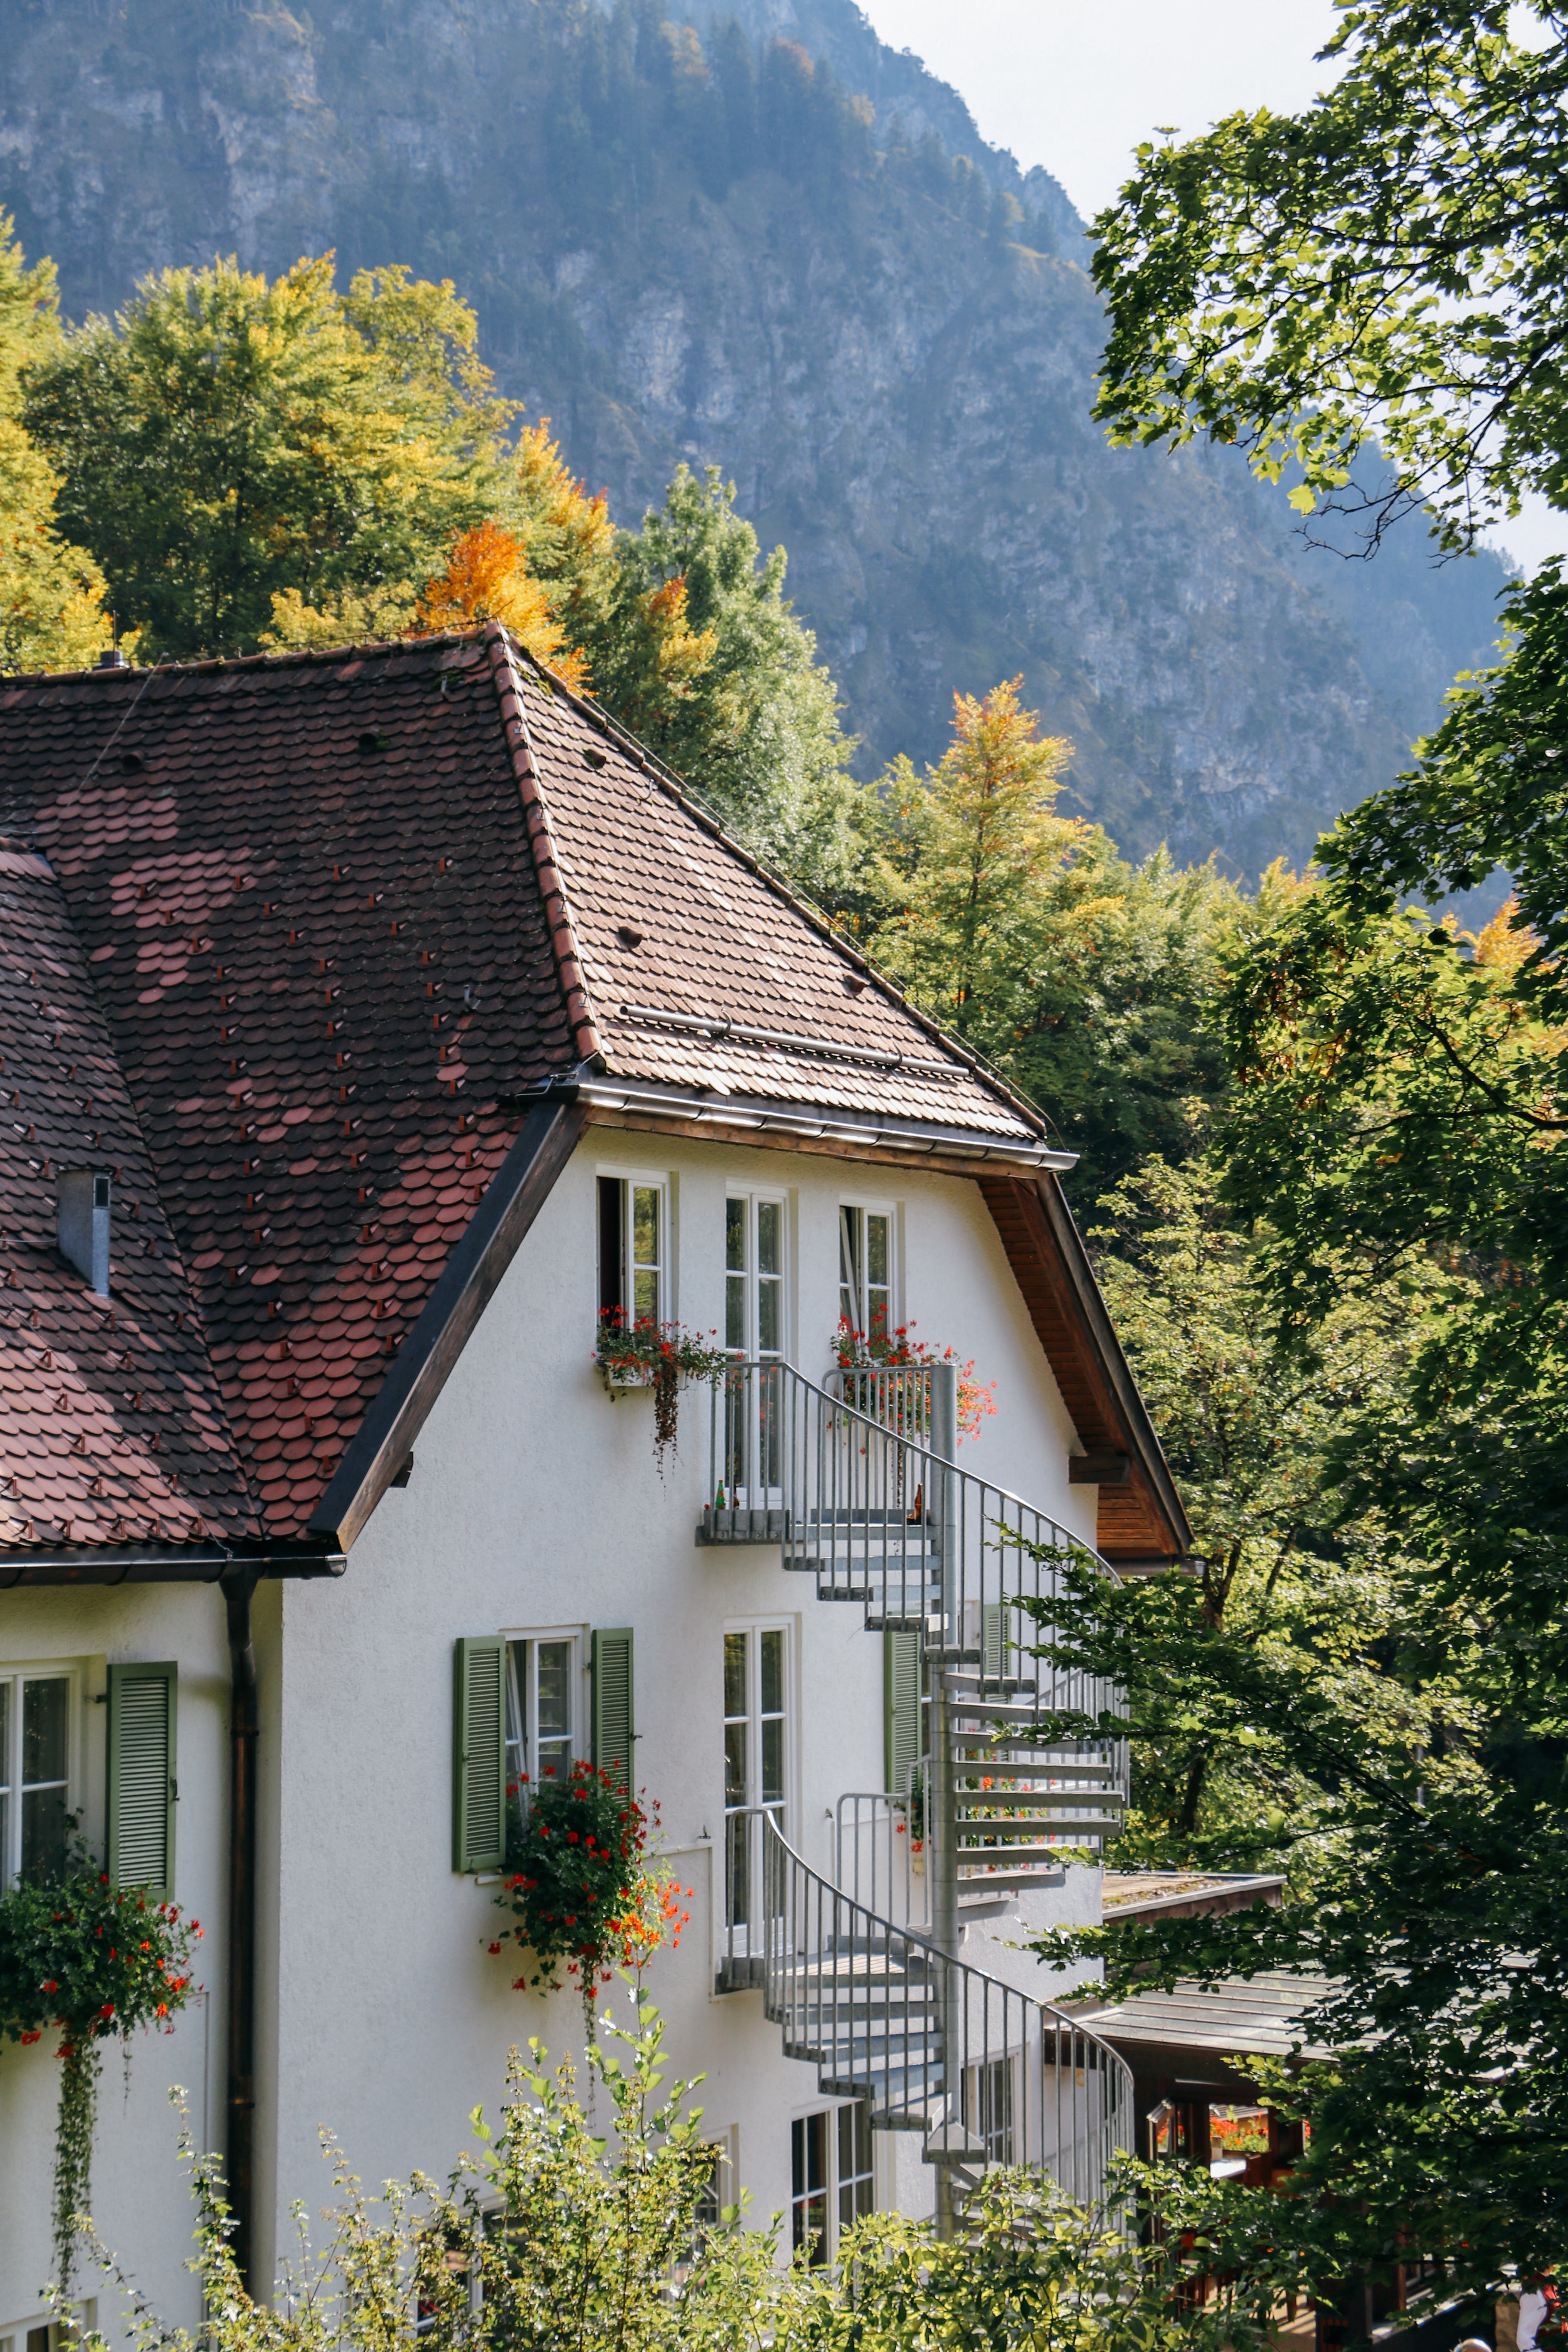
(596, 759)
(373, 741)
(84, 1225)
(132, 763)
(629, 935)
(112, 658)
(855, 982)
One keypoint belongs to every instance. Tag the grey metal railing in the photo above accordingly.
(872, 1503)
(987, 2073)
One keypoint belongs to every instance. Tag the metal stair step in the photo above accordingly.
(1033, 1801)
(977, 1857)
(1001, 1880)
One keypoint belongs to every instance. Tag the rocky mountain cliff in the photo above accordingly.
(773, 244)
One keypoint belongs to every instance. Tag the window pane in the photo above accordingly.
(554, 1691)
(770, 1237)
(644, 1224)
(735, 1235)
(877, 1252)
(516, 1727)
(773, 1673)
(45, 1715)
(734, 1673)
(735, 1312)
(773, 1763)
(645, 1294)
(849, 1267)
(5, 1739)
(770, 1301)
(43, 1831)
(734, 1764)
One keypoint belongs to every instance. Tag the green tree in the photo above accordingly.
(1373, 293)
(1280, 1569)
(974, 843)
(1120, 1036)
(223, 440)
(51, 593)
(700, 655)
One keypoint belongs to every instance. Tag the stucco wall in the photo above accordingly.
(534, 1503)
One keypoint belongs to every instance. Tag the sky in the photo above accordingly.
(1076, 84)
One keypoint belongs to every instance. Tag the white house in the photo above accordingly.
(372, 1021)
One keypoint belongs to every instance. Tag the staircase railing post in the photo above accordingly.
(942, 1830)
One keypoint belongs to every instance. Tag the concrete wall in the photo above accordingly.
(534, 1504)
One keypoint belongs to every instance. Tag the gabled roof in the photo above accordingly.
(340, 920)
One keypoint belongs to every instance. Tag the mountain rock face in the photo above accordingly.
(773, 244)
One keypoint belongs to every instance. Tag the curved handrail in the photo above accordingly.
(992, 2074)
(881, 1514)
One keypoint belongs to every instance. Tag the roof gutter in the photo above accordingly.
(109, 1564)
(917, 1137)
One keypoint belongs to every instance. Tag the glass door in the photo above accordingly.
(757, 1740)
(754, 1335)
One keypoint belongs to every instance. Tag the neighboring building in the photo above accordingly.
(371, 1021)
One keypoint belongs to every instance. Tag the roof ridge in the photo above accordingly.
(210, 663)
(679, 791)
(542, 843)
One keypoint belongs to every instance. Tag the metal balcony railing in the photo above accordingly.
(987, 2073)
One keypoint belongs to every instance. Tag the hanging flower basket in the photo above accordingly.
(579, 1886)
(640, 1352)
(92, 1960)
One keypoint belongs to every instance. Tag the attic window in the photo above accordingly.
(631, 935)
(84, 1211)
(371, 741)
(596, 759)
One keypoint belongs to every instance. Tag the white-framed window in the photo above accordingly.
(756, 1750)
(45, 2334)
(635, 1246)
(719, 2195)
(754, 1332)
(37, 1712)
(754, 1274)
(830, 2177)
(988, 2106)
(544, 1731)
(865, 1270)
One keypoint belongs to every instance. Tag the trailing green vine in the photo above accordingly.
(93, 1960)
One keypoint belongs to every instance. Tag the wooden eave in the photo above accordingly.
(1141, 1522)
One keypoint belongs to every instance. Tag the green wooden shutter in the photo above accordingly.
(901, 1707)
(479, 1753)
(143, 1713)
(614, 1729)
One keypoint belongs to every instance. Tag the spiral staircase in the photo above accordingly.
(858, 1485)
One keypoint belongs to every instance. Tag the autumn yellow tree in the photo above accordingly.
(976, 844)
(51, 594)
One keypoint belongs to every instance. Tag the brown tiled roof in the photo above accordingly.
(331, 917)
(111, 1422)
(308, 903)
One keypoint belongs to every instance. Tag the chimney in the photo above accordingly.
(112, 658)
(84, 1225)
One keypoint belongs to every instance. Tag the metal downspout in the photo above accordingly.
(240, 2105)
(944, 1810)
